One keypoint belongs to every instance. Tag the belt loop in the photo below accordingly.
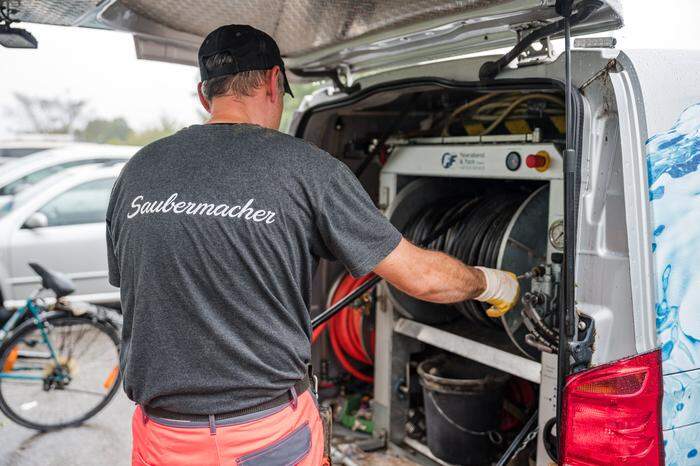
(212, 425)
(293, 394)
(144, 416)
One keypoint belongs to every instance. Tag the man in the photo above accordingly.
(214, 234)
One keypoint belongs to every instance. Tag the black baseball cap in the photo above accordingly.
(250, 48)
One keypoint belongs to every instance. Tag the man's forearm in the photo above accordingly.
(436, 277)
(431, 275)
(447, 280)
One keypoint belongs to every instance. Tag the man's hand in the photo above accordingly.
(501, 292)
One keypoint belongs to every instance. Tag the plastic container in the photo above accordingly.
(463, 402)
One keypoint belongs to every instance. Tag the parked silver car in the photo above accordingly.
(22, 173)
(14, 149)
(59, 223)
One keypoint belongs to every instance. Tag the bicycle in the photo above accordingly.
(59, 361)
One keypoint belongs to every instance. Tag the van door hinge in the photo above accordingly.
(581, 349)
(539, 52)
(613, 66)
(490, 69)
(346, 80)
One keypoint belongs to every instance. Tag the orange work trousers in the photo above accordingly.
(291, 434)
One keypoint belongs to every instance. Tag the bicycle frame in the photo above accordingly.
(35, 311)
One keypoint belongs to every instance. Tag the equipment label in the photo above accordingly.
(471, 161)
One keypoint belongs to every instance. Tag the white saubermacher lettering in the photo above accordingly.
(246, 211)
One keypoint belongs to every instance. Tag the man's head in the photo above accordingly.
(242, 75)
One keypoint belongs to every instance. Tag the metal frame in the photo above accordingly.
(11, 323)
(470, 349)
(637, 210)
(398, 337)
(587, 67)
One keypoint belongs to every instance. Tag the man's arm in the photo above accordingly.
(437, 277)
(355, 232)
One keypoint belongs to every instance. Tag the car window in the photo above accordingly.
(5, 205)
(85, 203)
(19, 151)
(10, 189)
(33, 178)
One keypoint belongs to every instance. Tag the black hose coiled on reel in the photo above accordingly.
(477, 231)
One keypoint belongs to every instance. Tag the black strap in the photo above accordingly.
(287, 397)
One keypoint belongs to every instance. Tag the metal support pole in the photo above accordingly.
(567, 312)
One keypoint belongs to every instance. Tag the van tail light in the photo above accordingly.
(611, 414)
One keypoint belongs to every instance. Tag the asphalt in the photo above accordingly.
(103, 440)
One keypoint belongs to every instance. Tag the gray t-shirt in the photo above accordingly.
(214, 234)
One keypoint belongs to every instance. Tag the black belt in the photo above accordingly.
(289, 396)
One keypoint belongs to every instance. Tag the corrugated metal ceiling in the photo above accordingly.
(60, 12)
(299, 26)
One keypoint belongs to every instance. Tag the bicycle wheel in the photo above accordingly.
(45, 393)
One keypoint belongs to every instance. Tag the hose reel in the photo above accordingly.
(505, 230)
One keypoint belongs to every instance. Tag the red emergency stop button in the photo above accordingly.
(539, 161)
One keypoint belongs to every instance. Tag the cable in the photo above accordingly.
(517, 102)
(463, 108)
(476, 230)
(509, 103)
(520, 440)
(346, 328)
(5, 16)
(341, 336)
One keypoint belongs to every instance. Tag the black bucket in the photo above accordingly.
(463, 401)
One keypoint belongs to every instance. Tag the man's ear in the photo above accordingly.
(203, 100)
(272, 88)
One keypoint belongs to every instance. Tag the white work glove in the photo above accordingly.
(501, 292)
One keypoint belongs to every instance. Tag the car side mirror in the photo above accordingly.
(36, 220)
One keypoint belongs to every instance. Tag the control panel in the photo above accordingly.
(533, 161)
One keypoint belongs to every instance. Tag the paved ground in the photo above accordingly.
(103, 440)
(106, 440)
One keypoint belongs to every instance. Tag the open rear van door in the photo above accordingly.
(658, 99)
(352, 36)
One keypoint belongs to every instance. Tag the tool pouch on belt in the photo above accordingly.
(327, 419)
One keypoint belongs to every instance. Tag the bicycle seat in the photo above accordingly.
(54, 281)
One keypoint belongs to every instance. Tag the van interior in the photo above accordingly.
(495, 214)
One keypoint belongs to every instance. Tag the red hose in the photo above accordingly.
(355, 334)
(345, 330)
(318, 331)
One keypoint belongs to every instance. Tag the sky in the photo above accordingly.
(101, 66)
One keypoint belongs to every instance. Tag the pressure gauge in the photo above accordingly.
(513, 161)
(556, 235)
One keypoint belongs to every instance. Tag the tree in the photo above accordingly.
(49, 115)
(166, 127)
(117, 131)
(291, 104)
(102, 131)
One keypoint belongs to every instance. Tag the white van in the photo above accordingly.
(607, 331)
(631, 377)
